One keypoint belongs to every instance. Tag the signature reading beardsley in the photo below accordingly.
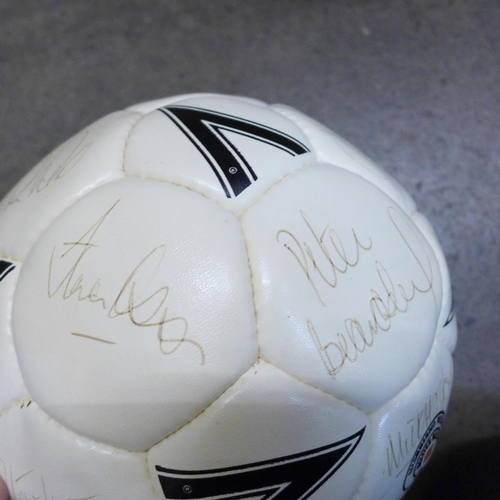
(327, 258)
(145, 309)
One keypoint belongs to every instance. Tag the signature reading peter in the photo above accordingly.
(326, 257)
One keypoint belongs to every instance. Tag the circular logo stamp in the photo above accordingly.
(424, 449)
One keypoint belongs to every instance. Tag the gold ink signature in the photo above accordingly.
(144, 309)
(400, 448)
(387, 300)
(54, 167)
(19, 490)
(326, 257)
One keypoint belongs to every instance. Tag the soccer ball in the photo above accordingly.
(206, 297)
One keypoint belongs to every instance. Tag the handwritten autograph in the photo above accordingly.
(21, 491)
(144, 309)
(54, 167)
(400, 448)
(388, 299)
(326, 258)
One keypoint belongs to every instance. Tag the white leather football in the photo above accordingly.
(206, 297)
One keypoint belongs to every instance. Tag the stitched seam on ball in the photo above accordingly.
(78, 195)
(257, 199)
(433, 351)
(309, 133)
(306, 128)
(340, 398)
(364, 477)
(11, 259)
(179, 185)
(307, 164)
(149, 475)
(72, 201)
(12, 341)
(254, 361)
(143, 454)
(206, 408)
(431, 240)
(27, 395)
(252, 285)
(238, 214)
(16, 403)
(106, 446)
(153, 178)
(152, 479)
(309, 384)
(261, 357)
(418, 376)
(125, 144)
(234, 383)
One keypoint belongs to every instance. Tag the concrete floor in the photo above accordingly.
(414, 85)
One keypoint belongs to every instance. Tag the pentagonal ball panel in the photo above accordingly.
(134, 311)
(347, 289)
(268, 435)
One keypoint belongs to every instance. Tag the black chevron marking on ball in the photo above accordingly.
(204, 128)
(293, 477)
(5, 268)
(451, 315)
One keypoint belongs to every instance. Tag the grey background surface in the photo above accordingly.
(414, 85)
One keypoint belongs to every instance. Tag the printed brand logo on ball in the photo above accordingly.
(424, 449)
(205, 129)
(293, 477)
